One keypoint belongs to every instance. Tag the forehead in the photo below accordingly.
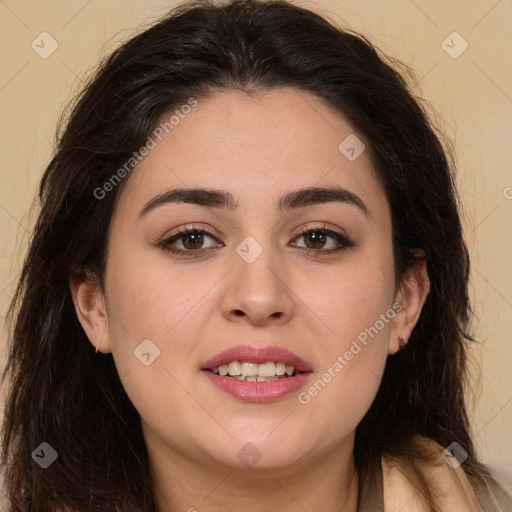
(258, 147)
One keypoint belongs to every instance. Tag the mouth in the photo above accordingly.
(257, 374)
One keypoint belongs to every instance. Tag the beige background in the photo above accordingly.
(471, 96)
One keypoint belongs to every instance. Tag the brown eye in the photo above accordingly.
(192, 241)
(189, 242)
(316, 240)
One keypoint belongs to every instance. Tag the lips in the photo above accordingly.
(269, 391)
(258, 355)
(258, 389)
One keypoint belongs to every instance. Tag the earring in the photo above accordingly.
(96, 351)
(402, 342)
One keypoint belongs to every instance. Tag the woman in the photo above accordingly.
(247, 286)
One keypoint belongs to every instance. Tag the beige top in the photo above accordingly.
(391, 491)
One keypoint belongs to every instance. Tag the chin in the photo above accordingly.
(257, 455)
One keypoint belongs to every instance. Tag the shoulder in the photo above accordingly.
(491, 492)
(501, 475)
(495, 493)
(442, 473)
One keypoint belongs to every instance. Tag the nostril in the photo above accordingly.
(239, 312)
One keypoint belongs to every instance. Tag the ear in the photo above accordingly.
(410, 297)
(89, 302)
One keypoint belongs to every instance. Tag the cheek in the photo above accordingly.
(356, 315)
(156, 310)
(156, 316)
(149, 297)
(350, 299)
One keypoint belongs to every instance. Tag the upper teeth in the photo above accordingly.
(248, 369)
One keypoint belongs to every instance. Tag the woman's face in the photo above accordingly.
(243, 279)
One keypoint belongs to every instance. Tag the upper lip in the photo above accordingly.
(257, 355)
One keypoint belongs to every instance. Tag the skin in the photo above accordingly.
(258, 148)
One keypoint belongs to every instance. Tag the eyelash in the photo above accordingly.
(345, 242)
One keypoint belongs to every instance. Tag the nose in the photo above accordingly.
(259, 292)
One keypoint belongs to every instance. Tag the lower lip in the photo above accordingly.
(268, 391)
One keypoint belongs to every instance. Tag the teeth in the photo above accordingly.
(256, 379)
(249, 369)
(266, 369)
(280, 368)
(235, 368)
(253, 372)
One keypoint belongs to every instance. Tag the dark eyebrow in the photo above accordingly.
(200, 196)
(317, 195)
(221, 199)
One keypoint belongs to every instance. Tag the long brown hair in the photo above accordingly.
(63, 393)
